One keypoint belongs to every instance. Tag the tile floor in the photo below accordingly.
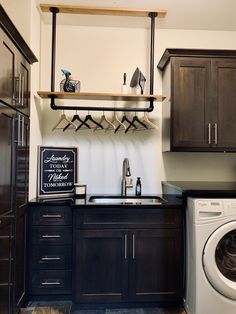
(65, 308)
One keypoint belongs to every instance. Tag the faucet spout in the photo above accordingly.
(126, 180)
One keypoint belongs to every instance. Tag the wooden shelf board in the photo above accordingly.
(102, 11)
(100, 96)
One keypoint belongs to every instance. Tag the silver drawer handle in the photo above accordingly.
(46, 258)
(47, 236)
(133, 246)
(209, 133)
(51, 283)
(51, 216)
(22, 91)
(216, 133)
(125, 246)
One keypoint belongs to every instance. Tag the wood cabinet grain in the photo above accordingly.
(199, 111)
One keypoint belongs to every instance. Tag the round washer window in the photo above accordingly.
(219, 260)
(225, 255)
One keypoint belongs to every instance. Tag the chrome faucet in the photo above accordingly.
(126, 180)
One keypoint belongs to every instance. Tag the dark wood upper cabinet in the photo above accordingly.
(224, 102)
(14, 76)
(199, 111)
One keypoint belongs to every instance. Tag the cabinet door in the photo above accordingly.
(22, 94)
(20, 255)
(101, 266)
(224, 126)
(6, 263)
(22, 159)
(6, 163)
(190, 103)
(6, 70)
(14, 76)
(156, 265)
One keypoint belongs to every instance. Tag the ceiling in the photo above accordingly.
(181, 14)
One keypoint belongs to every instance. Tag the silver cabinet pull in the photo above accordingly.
(52, 216)
(18, 131)
(22, 91)
(46, 258)
(19, 91)
(216, 133)
(133, 240)
(125, 246)
(51, 283)
(22, 130)
(50, 236)
(209, 133)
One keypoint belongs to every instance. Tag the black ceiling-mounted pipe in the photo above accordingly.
(152, 15)
(54, 11)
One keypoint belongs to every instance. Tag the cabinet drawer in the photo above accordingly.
(52, 235)
(50, 282)
(53, 215)
(53, 257)
(161, 218)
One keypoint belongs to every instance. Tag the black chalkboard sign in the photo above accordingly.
(57, 171)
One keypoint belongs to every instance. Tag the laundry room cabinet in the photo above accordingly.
(199, 111)
(50, 247)
(16, 57)
(128, 255)
(14, 76)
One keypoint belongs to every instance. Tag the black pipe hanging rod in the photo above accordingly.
(94, 108)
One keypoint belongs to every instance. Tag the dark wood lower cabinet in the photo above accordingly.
(102, 266)
(50, 251)
(155, 265)
(6, 264)
(129, 261)
(20, 256)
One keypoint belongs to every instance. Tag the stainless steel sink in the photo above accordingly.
(109, 199)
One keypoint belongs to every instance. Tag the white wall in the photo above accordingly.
(36, 108)
(197, 166)
(19, 13)
(98, 57)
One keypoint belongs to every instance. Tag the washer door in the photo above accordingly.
(219, 259)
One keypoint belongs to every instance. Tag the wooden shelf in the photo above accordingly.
(71, 9)
(100, 96)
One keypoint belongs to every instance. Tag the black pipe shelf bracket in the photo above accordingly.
(101, 96)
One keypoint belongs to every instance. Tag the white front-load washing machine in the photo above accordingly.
(210, 256)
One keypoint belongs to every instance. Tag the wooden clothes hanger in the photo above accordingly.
(149, 123)
(87, 119)
(129, 122)
(63, 118)
(138, 123)
(117, 123)
(76, 117)
(107, 121)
